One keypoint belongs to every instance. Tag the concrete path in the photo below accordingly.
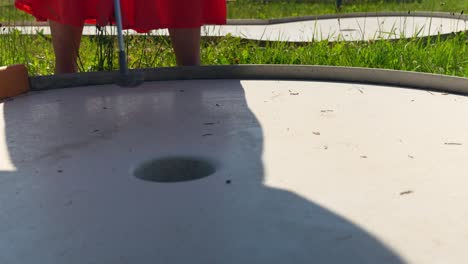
(304, 172)
(347, 28)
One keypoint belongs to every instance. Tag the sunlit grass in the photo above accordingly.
(99, 53)
(281, 8)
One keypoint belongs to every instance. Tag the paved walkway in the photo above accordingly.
(349, 29)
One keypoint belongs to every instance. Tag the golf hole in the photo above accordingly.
(174, 169)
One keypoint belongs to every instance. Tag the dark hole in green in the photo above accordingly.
(174, 169)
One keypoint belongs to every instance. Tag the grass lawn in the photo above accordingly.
(281, 8)
(5, 2)
(278, 9)
(444, 56)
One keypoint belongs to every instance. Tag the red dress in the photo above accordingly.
(140, 15)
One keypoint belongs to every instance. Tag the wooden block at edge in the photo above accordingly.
(13, 80)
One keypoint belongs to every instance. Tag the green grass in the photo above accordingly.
(8, 13)
(434, 55)
(6, 2)
(99, 53)
(279, 9)
(282, 8)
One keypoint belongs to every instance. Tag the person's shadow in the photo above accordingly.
(72, 198)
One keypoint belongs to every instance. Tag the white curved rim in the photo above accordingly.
(414, 80)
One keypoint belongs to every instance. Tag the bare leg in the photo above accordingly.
(66, 41)
(186, 45)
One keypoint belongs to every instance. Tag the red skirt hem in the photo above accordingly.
(139, 20)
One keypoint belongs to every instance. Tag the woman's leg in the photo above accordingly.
(186, 45)
(66, 41)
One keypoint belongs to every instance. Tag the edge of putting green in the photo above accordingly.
(405, 79)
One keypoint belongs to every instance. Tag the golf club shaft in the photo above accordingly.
(122, 55)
